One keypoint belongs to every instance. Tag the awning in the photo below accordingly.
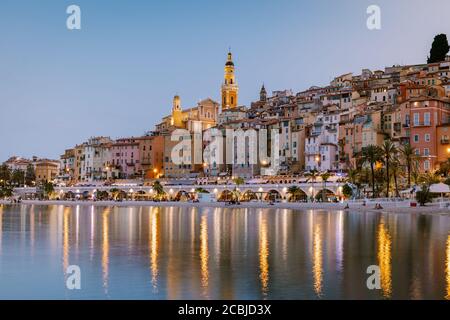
(439, 188)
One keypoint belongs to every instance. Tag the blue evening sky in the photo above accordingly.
(117, 75)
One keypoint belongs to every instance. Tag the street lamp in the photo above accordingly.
(318, 161)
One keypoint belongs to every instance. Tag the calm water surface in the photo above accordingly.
(211, 253)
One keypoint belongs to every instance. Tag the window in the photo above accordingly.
(416, 119)
(426, 119)
(427, 137)
(417, 152)
(416, 138)
(426, 152)
(426, 165)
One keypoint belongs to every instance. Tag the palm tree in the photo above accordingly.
(236, 193)
(238, 181)
(396, 170)
(389, 151)
(114, 193)
(158, 188)
(5, 174)
(444, 168)
(293, 191)
(313, 174)
(371, 155)
(48, 189)
(353, 176)
(409, 156)
(324, 176)
(429, 178)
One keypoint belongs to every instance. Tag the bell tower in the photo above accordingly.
(230, 88)
(177, 120)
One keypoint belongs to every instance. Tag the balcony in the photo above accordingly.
(421, 124)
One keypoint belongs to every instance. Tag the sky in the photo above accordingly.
(117, 75)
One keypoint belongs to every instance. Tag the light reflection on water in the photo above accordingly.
(384, 258)
(448, 269)
(212, 253)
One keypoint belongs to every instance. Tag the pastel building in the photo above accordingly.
(126, 158)
(96, 159)
(423, 116)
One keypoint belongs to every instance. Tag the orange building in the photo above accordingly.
(151, 156)
(422, 117)
(443, 142)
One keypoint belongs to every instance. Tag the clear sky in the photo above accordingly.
(117, 75)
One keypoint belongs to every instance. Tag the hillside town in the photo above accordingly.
(376, 126)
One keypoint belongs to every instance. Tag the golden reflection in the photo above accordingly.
(263, 255)
(204, 253)
(105, 247)
(317, 259)
(66, 244)
(384, 258)
(154, 244)
(92, 233)
(32, 230)
(448, 269)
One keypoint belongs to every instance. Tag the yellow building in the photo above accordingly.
(177, 113)
(46, 170)
(229, 87)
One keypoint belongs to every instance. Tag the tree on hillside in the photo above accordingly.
(5, 174)
(17, 177)
(30, 176)
(439, 49)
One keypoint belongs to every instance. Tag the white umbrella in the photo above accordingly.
(440, 188)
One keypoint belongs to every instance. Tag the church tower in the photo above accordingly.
(263, 94)
(177, 119)
(229, 87)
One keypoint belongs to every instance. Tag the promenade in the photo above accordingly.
(388, 207)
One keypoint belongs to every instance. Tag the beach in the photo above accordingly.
(388, 207)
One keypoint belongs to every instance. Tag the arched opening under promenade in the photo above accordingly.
(297, 195)
(325, 195)
(141, 195)
(182, 196)
(248, 196)
(273, 195)
(225, 195)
